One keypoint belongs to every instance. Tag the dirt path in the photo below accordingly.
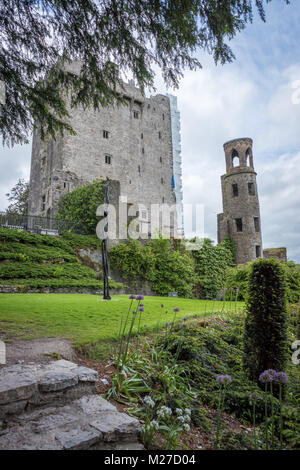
(39, 350)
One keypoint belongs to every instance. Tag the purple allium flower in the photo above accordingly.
(281, 377)
(162, 305)
(176, 309)
(183, 325)
(224, 379)
(139, 297)
(141, 305)
(214, 299)
(272, 373)
(141, 309)
(265, 376)
(132, 296)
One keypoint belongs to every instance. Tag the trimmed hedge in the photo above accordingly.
(265, 338)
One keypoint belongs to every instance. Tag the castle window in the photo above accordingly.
(256, 224)
(144, 214)
(148, 106)
(160, 159)
(235, 159)
(159, 135)
(162, 180)
(43, 203)
(136, 114)
(257, 251)
(65, 184)
(143, 150)
(142, 135)
(163, 116)
(108, 159)
(251, 189)
(139, 169)
(239, 225)
(248, 157)
(105, 134)
(163, 199)
(235, 190)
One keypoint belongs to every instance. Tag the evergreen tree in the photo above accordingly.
(265, 338)
(39, 37)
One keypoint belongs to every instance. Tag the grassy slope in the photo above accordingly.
(88, 319)
(41, 261)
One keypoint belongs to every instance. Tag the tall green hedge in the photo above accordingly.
(265, 338)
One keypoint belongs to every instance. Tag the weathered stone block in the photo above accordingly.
(78, 438)
(116, 426)
(57, 381)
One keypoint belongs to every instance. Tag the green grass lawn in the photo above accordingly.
(87, 319)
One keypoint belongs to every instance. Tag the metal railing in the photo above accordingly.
(42, 225)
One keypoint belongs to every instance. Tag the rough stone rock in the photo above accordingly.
(57, 381)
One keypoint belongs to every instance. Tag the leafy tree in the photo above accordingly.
(39, 37)
(265, 337)
(18, 198)
(211, 263)
(80, 205)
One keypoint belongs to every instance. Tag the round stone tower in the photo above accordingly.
(240, 218)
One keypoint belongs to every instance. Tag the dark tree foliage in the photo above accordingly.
(18, 198)
(265, 339)
(38, 36)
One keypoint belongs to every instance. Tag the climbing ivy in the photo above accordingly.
(81, 205)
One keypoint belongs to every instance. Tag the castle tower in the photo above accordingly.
(241, 217)
(134, 144)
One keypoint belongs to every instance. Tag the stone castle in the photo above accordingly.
(137, 145)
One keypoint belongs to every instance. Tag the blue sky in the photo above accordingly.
(251, 97)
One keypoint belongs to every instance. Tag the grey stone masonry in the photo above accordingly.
(129, 143)
(241, 215)
(38, 414)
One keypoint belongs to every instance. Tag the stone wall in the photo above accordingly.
(135, 138)
(278, 253)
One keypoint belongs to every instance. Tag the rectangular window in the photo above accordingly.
(142, 135)
(143, 150)
(136, 114)
(251, 189)
(43, 203)
(162, 180)
(105, 134)
(239, 225)
(159, 135)
(108, 159)
(144, 214)
(139, 169)
(257, 251)
(163, 117)
(256, 224)
(235, 190)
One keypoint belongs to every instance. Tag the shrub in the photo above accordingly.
(265, 338)
(81, 204)
(210, 266)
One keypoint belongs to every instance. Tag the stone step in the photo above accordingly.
(25, 387)
(86, 423)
